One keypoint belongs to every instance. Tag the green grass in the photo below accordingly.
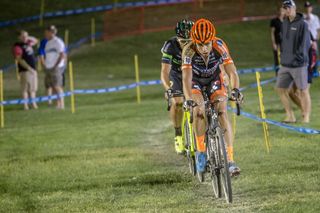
(116, 156)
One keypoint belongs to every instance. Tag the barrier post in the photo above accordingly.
(136, 65)
(73, 109)
(17, 70)
(263, 115)
(1, 100)
(41, 13)
(93, 32)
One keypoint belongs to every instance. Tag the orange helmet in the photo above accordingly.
(203, 31)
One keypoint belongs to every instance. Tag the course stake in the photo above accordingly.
(263, 115)
(73, 109)
(41, 13)
(136, 65)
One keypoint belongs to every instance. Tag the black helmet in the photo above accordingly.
(183, 28)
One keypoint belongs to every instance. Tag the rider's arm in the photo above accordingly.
(187, 55)
(227, 62)
(187, 81)
(166, 60)
(231, 71)
(165, 70)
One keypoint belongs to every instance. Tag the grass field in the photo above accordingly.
(116, 156)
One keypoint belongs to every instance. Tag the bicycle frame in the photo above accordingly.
(186, 117)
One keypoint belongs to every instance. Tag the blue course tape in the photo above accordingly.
(276, 123)
(89, 10)
(263, 69)
(81, 91)
(254, 85)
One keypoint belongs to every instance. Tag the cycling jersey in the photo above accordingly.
(218, 55)
(171, 54)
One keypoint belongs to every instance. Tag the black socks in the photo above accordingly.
(178, 131)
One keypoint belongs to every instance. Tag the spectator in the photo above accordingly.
(41, 53)
(275, 26)
(23, 53)
(314, 27)
(54, 63)
(295, 43)
(312, 21)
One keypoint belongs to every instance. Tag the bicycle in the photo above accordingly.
(188, 136)
(217, 162)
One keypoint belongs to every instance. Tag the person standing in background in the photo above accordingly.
(313, 21)
(24, 54)
(42, 54)
(54, 63)
(314, 27)
(295, 44)
(275, 26)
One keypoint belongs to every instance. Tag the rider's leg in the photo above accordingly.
(176, 114)
(199, 121)
(199, 126)
(225, 124)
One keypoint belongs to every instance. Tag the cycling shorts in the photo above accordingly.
(214, 86)
(176, 83)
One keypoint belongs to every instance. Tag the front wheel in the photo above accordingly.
(214, 167)
(189, 150)
(222, 160)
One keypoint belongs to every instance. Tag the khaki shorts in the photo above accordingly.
(287, 76)
(53, 77)
(29, 81)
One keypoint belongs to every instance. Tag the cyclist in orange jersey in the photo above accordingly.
(202, 64)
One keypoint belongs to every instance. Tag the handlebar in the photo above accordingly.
(238, 108)
(215, 102)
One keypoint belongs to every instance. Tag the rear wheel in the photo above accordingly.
(223, 162)
(189, 144)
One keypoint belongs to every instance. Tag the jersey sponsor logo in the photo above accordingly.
(197, 87)
(51, 50)
(225, 56)
(171, 84)
(220, 43)
(187, 60)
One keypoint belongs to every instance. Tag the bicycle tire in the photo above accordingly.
(214, 166)
(190, 155)
(223, 161)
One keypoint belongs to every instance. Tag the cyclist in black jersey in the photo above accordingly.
(171, 76)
